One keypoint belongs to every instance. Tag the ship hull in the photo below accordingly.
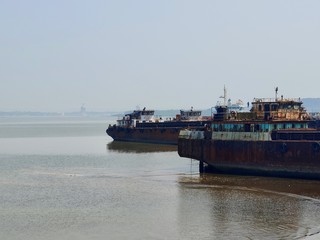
(297, 159)
(146, 135)
(157, 133)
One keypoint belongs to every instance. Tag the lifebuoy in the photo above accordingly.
(316, 146)
(283, 148)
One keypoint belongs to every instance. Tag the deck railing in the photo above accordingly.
(276, 100)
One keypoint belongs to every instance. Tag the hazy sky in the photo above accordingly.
(115, 55)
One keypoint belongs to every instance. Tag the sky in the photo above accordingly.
(159, 54)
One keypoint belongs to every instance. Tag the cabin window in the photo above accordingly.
(260, 107)
(274, 107)
(274, 126)
(309, 137)
(235, 127)
(247, 127)
(215, 127)
(257, 128)
(296, 136)
(284, 136)
(265, 127)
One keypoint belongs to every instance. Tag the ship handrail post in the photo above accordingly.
(201, 162)
(201, 166)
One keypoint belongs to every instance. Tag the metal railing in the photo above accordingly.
(276, 100)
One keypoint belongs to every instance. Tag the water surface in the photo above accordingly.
(63, 178)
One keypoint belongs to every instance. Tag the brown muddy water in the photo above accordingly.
(63, 178)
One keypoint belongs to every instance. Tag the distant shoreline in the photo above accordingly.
(311, 104)
(54, 114)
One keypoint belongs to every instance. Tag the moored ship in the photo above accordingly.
(273, 139)
(143, 126)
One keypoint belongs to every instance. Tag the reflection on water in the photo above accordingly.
(235, 207)
(133, 147)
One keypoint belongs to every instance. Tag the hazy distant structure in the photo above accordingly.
(83, 110)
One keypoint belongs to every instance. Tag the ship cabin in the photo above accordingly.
(273, 109)
(130, 120)
(266, 115)
(189, 114)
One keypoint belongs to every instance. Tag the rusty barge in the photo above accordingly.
(143, 126)
(272, 139)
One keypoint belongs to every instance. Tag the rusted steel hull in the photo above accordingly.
(146, 135)
(297, 159)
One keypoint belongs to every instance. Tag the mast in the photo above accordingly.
(224, 96)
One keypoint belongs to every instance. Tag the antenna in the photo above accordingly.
(224, 96)
(276, 90)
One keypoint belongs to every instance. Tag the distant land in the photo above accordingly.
(55, 114)
(311, 104)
